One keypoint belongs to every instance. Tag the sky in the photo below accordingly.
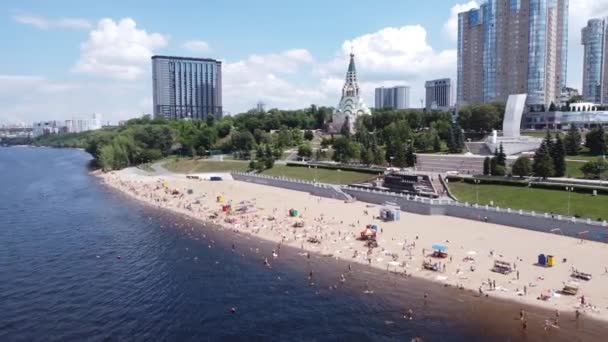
(66, 59)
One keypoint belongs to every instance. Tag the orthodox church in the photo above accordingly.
(351, 105)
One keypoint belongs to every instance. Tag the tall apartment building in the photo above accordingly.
(438, 94)
(394, 97)
(513, 47)
(595, 63)
(186, 87)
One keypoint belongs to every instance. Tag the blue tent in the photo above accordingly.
(542, 260)
(440, 248)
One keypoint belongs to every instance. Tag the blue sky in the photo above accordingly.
(64, 59)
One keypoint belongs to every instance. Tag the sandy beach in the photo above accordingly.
(334, 226)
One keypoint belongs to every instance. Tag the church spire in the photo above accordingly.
(351, 65)
(351, 87)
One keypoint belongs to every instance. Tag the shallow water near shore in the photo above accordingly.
(81, 262)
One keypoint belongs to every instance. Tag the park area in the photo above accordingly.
(295, 172)
(539, 200)
(204, 165)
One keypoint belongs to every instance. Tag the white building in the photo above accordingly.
(351, 104)
(67, 126)
(394, 97)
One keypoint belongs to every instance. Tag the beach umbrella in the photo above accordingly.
(440, 248)
(374, 227)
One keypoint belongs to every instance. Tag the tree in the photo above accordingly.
(522, 167)
(486, 166)
(367, 156)
(304, 150)
(410, 157)
(501, 157)
(552, 107)
(573, 141)
(558, 154)
(493, 166)
(543, 166)
(345, 150)
(436, 143)
(308, 135)
(345, 129)
(399, 160)
(594, 169)
(596, 141)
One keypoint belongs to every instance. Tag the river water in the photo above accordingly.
(79, 262)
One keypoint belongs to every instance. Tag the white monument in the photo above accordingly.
(351, 105)
(511, 140)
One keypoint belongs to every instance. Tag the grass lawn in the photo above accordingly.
(203, 165)
(585, 157)
(573, 169)
(539, 200)
(321, 175)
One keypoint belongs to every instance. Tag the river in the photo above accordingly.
(80, 262)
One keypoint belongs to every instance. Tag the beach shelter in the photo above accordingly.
(550, 261)
(542, 260)
(440, 248)
(368, 233)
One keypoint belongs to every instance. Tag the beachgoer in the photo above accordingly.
(577, 314)
(517, 275)
(524, 325)
(525, 290)
(522, 314)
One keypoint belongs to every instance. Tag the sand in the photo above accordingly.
(473, 246)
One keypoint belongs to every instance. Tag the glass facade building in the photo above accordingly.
(438, 94)
(595, 83)
(513, 47)
(394, 98)
(186, 87)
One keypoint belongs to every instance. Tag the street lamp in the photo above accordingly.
(477, 181)
(569, 189)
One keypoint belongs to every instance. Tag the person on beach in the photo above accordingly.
(522, 314)
(517, 275)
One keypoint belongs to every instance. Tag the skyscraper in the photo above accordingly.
(394, 97)
(513, 47)
(439, 94)
(595, 62)
(186, 87)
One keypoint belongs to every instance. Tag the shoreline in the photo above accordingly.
(142, 188)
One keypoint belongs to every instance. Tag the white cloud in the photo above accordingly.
(48, 23)
(263, 77)
(391, 56)
(450, 28)
(33, 98)
(118, 50)
(198, 46)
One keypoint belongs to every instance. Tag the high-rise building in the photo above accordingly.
(595, 63)
(394, 97)
(186, 87)
(439, 94)
(513, 47)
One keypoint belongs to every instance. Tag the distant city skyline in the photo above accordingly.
(70, 59)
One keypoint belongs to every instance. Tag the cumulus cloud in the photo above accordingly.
(198, 46)
(391, 56)
(33, 98)
(118, 49)
(48, 23)
(264, 77)
(450, 28)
